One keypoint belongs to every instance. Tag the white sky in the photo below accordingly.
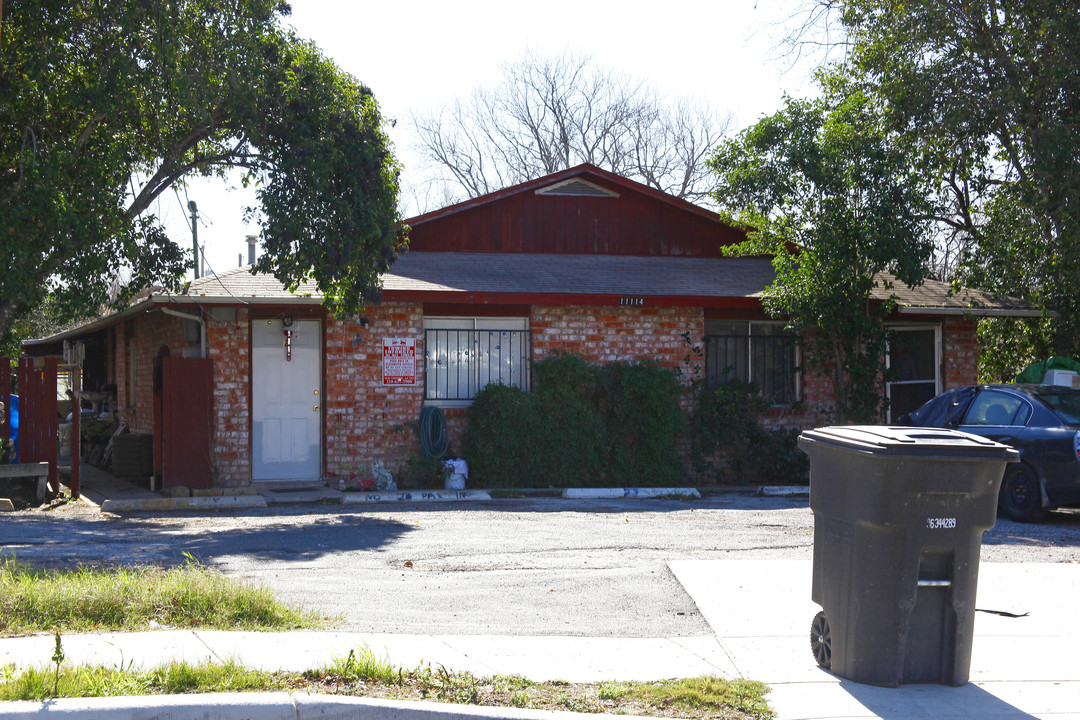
(418, 55)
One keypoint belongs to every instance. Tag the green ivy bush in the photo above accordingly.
(638, 403)
(502, 424)
(583, 425)
(618, 424)
(729, 443)
(778, 459)
(572, 438)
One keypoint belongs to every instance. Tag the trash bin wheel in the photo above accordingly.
(1021, 494)
(821, 640)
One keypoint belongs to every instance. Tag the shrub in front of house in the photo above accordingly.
(639, 406)
(583, 425)
(780, 461)
(571, 437)
(498, 443)
(729, 443)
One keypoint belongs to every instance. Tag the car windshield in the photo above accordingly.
(1066, 405)
(944, 410)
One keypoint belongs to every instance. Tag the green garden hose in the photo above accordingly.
(433, 437)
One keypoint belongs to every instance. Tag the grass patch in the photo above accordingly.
(363, 666)
(172, 679)
(361, 674)
(86, 599)
(708, 693)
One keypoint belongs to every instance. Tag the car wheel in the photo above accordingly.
(1020, 498)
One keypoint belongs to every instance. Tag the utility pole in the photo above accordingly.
(195, 235)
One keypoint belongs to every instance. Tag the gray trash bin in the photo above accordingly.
(899, 515)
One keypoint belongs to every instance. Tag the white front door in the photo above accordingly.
(286, 400)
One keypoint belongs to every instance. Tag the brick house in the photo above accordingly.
(582, 261)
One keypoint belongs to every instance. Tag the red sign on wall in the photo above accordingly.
(399, 361)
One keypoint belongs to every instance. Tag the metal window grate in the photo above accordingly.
(459, 363)
(768, 361)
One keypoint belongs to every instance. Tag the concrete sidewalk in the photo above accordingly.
(759, 612)
(1020, 667)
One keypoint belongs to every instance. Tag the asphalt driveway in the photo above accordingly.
(543, 566)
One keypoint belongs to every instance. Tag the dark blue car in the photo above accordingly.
(1041, 421)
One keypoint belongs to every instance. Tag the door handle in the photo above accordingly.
(316, 408)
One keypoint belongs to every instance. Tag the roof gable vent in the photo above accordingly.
(576, 187)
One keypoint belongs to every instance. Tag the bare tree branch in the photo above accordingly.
(549, 114)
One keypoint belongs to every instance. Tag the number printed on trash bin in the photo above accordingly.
(940, 523)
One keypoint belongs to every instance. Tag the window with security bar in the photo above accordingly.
(463, 355)
(762, 353)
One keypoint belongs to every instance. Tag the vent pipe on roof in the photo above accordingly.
(251, 249)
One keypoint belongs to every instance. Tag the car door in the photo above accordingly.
(997, 415)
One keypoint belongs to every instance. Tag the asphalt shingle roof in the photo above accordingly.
(579, 274)
(447, 273)
(531, 274)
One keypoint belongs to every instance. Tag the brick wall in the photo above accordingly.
(603, 334)
(151, 332)
(365, 420)
(960, 352)
(228, 345)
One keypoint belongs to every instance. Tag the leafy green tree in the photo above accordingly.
(106, 105)
(987, 96)
(44, 319)
(827, 192)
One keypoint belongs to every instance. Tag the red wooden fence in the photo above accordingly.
(38, 422)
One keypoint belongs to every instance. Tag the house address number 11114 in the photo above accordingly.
(633, 301)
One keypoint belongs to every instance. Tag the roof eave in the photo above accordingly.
(154, 302)
(243, 300)
(93, 326)
(970, 311)
(565, 299)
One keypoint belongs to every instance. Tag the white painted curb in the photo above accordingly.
(217, 706)
(184, 503)
(265, 706)
(783, 490)
(614, 493)
(414, 496)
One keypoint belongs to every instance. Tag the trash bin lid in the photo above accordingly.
(888, 440)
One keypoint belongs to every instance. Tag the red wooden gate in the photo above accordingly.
(38, 422)
(187, 406)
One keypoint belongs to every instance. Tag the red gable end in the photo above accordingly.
(583, 210)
